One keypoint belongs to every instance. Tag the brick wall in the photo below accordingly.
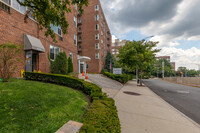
(88, 37)
(13, 28)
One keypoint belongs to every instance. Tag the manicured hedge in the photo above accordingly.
(121, 78)
(88, 88)
(105, 115)
(102, 115)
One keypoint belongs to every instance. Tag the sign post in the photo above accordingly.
(117, 71)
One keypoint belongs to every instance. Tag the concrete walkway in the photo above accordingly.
(109, 86)
(148, 113)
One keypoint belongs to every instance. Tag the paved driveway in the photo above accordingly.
(111, 87)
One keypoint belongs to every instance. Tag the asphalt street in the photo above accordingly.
(184, 98)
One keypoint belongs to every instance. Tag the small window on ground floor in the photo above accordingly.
(53, 52)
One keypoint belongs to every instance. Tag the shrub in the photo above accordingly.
(60, 65)
(102, 115)
(70, 65)
(121, 78)
(105, 115)
(8, 57)
(88, 88)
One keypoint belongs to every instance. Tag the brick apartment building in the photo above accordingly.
(94, 37)
(173, 64)
(35, 53)
(116, 45)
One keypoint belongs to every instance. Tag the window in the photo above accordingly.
(96, 7)
(79, 20)
(101, 41)
(6, 1)
(102, 25)
(113, 53)
(97, 36)
(31, 13)
(18, 7)
(75, 6)
(75, 21)
(97, 56)
(5, 6)
(117, 52)
(56, 29)
(97, 46)
(53, 52)
(102, 50)
(71, 56)
(113, 50)
(102, 33)
(75, 39)
(79, 29)
(97, 27)
(79, 38)
(96, 17)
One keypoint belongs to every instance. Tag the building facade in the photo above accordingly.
(173, 64)
(116, 45)
(94, 37)
(35, 45)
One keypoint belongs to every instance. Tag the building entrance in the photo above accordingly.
(32, 61)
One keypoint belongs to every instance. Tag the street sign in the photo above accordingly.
(117, 71)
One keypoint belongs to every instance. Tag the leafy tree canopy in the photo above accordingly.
(138, 55)
(60, 65)
(49, 12)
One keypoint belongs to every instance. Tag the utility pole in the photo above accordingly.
(163, 69)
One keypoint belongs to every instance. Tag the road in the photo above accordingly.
(184, 98)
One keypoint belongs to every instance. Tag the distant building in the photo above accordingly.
(173, 64)
(94, 36)
(164, 57)
(116, 45)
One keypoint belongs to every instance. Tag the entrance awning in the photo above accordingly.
(84, 58)
(32, 43)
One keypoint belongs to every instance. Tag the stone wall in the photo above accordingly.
(184, 80)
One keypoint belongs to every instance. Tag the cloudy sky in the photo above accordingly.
(174, 23)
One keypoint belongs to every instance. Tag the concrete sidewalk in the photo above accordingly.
(148, 113)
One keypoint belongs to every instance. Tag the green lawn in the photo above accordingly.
(33, 107)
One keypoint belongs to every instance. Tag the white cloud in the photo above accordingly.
(168, 20)
(188, 58)
(113, 38)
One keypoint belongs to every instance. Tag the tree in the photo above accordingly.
(49, 12)
(70, 65)
(138, 55)
(192, 73)
(60, 65)
(8, 57)
(157, 71)
(182, 71)
(109, 61)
